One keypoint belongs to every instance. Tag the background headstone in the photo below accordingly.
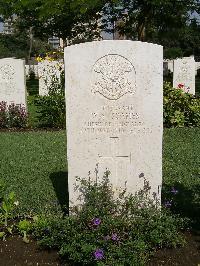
(49, 72)
(197, 64)
(114, 92)
(168, 66)
(12, 81)
(184, 73)
(31, 69)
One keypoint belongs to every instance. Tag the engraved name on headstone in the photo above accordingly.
(114, 113)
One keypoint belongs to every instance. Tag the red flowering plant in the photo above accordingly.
(3, 115)
(180, 109)
(13, 115)
(183, 87)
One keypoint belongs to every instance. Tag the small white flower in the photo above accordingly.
(16, 203)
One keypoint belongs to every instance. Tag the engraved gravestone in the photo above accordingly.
(114, 113)
(184, 73)
(49, 73)
(12, 81)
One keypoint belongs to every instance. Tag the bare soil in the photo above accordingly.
(14, 252)
(189, 255)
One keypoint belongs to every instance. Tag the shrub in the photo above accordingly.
(7, 204)
(110, 230)
(3, 115)
(12, 116)
(180, 108)
(17, 116)
(51, 108)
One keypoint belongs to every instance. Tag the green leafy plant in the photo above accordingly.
(7, 205)
(110, 230)
(24, 228)
(180, 108)
(51, 108)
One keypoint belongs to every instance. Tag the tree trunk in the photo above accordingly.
(142, 32)
(31, 42)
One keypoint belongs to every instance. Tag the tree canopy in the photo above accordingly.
(167, 22)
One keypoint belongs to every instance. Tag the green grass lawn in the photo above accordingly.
(34, 165)
(32, 86)
(181, 168)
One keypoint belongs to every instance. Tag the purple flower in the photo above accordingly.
(114, 237)
(168, 204)
(174, 191)
(96, 221)
(98, 254)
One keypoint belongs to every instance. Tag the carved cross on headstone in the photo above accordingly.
(116, 157)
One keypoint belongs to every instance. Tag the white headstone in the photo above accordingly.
(171, 65)
(197, 64)
(184, 73)
(31, 69)
(114, 92)
(49, 72)
(12, 81)
(168, 66)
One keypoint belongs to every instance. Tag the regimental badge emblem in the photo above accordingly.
(113, 77)
(7, 73)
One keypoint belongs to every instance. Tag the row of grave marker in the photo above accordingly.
(13, 84)
(114, 102)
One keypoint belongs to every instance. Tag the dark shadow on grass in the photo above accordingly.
(60, 184)
(185, 202)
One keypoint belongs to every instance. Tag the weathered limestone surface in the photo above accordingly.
(49, 72)
(12, 81)
(114, 113)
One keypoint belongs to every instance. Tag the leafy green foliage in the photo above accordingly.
(7, 204)
(12, 116)
(180, 108)
(147, 20)
(64, 19)
(17, 45)
(24, 228)
(173, 53)
(107, 227)
(51, 108)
